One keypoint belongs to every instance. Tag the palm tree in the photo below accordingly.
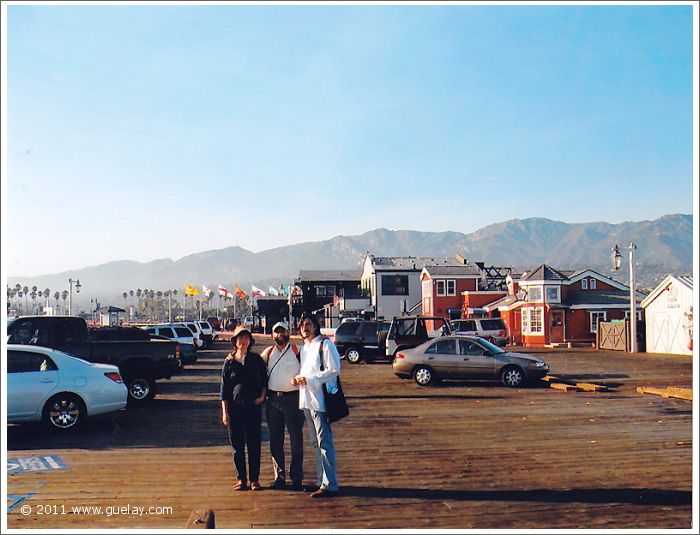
(56, 296)
(33, 296)
(20, 293)
(124, 296)
(64, 296)
(47, 295)
(25, 291)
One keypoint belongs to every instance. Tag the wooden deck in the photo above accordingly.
(457, 455)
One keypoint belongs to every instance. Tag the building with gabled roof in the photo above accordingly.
(669, 316)
(547, 306)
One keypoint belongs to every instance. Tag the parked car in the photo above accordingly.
(214, 322)
(409, 331)
(467, 357)
(248, 322)
(47, 385)
(199, 341)
(207, 331)
(358, 340)
(140, 362)
(179, 333)
(492, 329)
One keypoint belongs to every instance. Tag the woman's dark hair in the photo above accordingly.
(247, 333)
(313, 319)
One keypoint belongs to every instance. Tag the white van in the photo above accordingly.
(492, 329)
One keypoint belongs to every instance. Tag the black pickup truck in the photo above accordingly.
(141, 362)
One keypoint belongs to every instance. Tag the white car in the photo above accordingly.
(193, 326)
(61, 390)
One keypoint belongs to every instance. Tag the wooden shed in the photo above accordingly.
(669, 316)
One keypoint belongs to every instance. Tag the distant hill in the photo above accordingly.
(664, 246)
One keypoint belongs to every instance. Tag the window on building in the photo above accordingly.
(394, 284)
(440, 287)
(531, 320)
(330, 291)
(536, 320)
(320, 291)
(525, 321)
(639, 314)
(451, 287)
(553, 294)
(592, 284)
(595, 318)
(584, 284)
(534, 294)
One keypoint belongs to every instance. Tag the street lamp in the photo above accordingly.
(617, 262)
(70, 294)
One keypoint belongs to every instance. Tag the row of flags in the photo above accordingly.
(227, 294)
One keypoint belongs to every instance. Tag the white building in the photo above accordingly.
(394, 284)
(669, 316)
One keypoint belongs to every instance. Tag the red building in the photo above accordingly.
(548, 307)
(442, 288)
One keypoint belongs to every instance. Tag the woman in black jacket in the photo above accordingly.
(243, 386)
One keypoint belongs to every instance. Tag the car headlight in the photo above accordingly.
(536, 364)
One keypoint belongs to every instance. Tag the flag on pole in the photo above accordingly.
(256, 292)
(223, 291)
(191, 290)
(272, 291)
(240, 292)
(206, 290)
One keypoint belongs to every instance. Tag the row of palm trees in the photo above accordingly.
(18, 291)
(159, 304)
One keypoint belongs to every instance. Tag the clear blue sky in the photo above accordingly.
(143, 132)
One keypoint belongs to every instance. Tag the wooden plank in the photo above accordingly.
(563, 386)
(201, 519)
(680, 393)
(592, 387)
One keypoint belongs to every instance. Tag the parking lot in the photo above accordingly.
(455, 455)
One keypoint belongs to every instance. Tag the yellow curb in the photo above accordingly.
(669, 392)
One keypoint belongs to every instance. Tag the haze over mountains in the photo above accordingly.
(664, 246)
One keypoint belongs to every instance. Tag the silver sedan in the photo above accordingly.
(467, 357)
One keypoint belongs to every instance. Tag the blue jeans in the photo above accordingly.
(321, 437)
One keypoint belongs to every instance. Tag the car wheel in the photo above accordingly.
(423, 375)
(513, 377)
(142, 388)
(64, 412)
(353, 355)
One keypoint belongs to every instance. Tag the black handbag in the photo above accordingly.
(336, 406)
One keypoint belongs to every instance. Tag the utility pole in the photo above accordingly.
(633, 301)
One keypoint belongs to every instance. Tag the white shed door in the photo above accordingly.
(666, 330)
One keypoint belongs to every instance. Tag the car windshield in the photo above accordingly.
(491, 347)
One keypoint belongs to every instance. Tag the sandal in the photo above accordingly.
(255, 485)
(240, 485)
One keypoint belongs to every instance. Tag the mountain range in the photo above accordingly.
(664, 246)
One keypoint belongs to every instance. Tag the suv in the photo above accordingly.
(357, 340)
(492, 329)
(180, 334)
(196, 332)
(410, 331)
